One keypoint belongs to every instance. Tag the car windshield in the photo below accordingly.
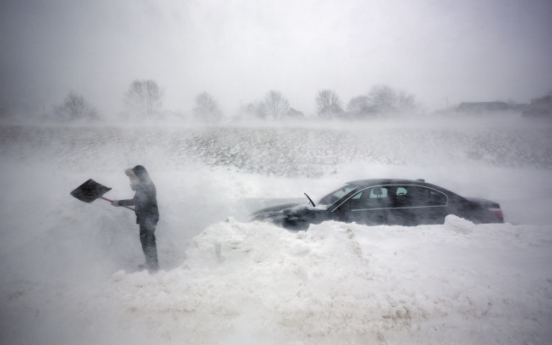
(336, 195)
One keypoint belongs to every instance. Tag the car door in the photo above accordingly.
(368, 206)
(417, 204)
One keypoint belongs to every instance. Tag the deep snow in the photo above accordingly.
(68, 269)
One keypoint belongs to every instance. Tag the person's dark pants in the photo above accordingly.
(147, 238)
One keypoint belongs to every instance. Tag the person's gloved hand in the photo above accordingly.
(115, 203)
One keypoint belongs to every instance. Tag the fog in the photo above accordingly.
(442, 52)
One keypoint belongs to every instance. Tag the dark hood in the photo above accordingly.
(141, 173)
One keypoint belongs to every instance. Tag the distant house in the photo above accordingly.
(539, 107)
(295, 114)
(489, 107)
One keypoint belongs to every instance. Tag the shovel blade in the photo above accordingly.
(90, 191)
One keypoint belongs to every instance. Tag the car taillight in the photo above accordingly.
(498, 213)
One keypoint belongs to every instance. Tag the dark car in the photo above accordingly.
(383, 201)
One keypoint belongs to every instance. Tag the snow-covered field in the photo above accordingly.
(68, 269)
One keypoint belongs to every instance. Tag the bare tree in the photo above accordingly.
(75, 108)
(144, 98)
(206, 108)
(328, 104)
(359, 106)
(275, 105)
(253, 110)
(385, 99)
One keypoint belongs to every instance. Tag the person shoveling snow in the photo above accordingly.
(147, 213)
(144, 201)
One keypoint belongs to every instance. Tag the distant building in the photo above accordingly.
(539, 107)
(295, 114)
(489, 107)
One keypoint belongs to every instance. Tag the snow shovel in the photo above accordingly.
(92, 190)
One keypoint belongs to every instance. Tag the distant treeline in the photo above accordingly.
(143, 101)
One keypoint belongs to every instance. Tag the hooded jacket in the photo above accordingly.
(145, 199)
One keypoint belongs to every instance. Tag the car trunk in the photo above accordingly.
(492, 206)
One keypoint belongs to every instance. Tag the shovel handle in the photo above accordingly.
(106, 199)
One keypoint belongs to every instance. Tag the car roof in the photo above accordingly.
(387, 181)
(371, 182)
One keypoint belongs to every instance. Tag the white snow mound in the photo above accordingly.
(256, 283)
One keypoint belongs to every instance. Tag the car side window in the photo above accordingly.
(403, 197)
(401, 191)
(417, 196)
(436, 198)
(378, 193)
(375, 197)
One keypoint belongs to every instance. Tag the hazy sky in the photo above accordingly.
(238, 50)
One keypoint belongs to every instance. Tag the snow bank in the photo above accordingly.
(347, 283)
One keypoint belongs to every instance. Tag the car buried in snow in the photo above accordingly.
(383, 201)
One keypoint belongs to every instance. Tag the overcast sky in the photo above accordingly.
(238, 50)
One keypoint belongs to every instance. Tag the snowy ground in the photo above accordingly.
(68, 269)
